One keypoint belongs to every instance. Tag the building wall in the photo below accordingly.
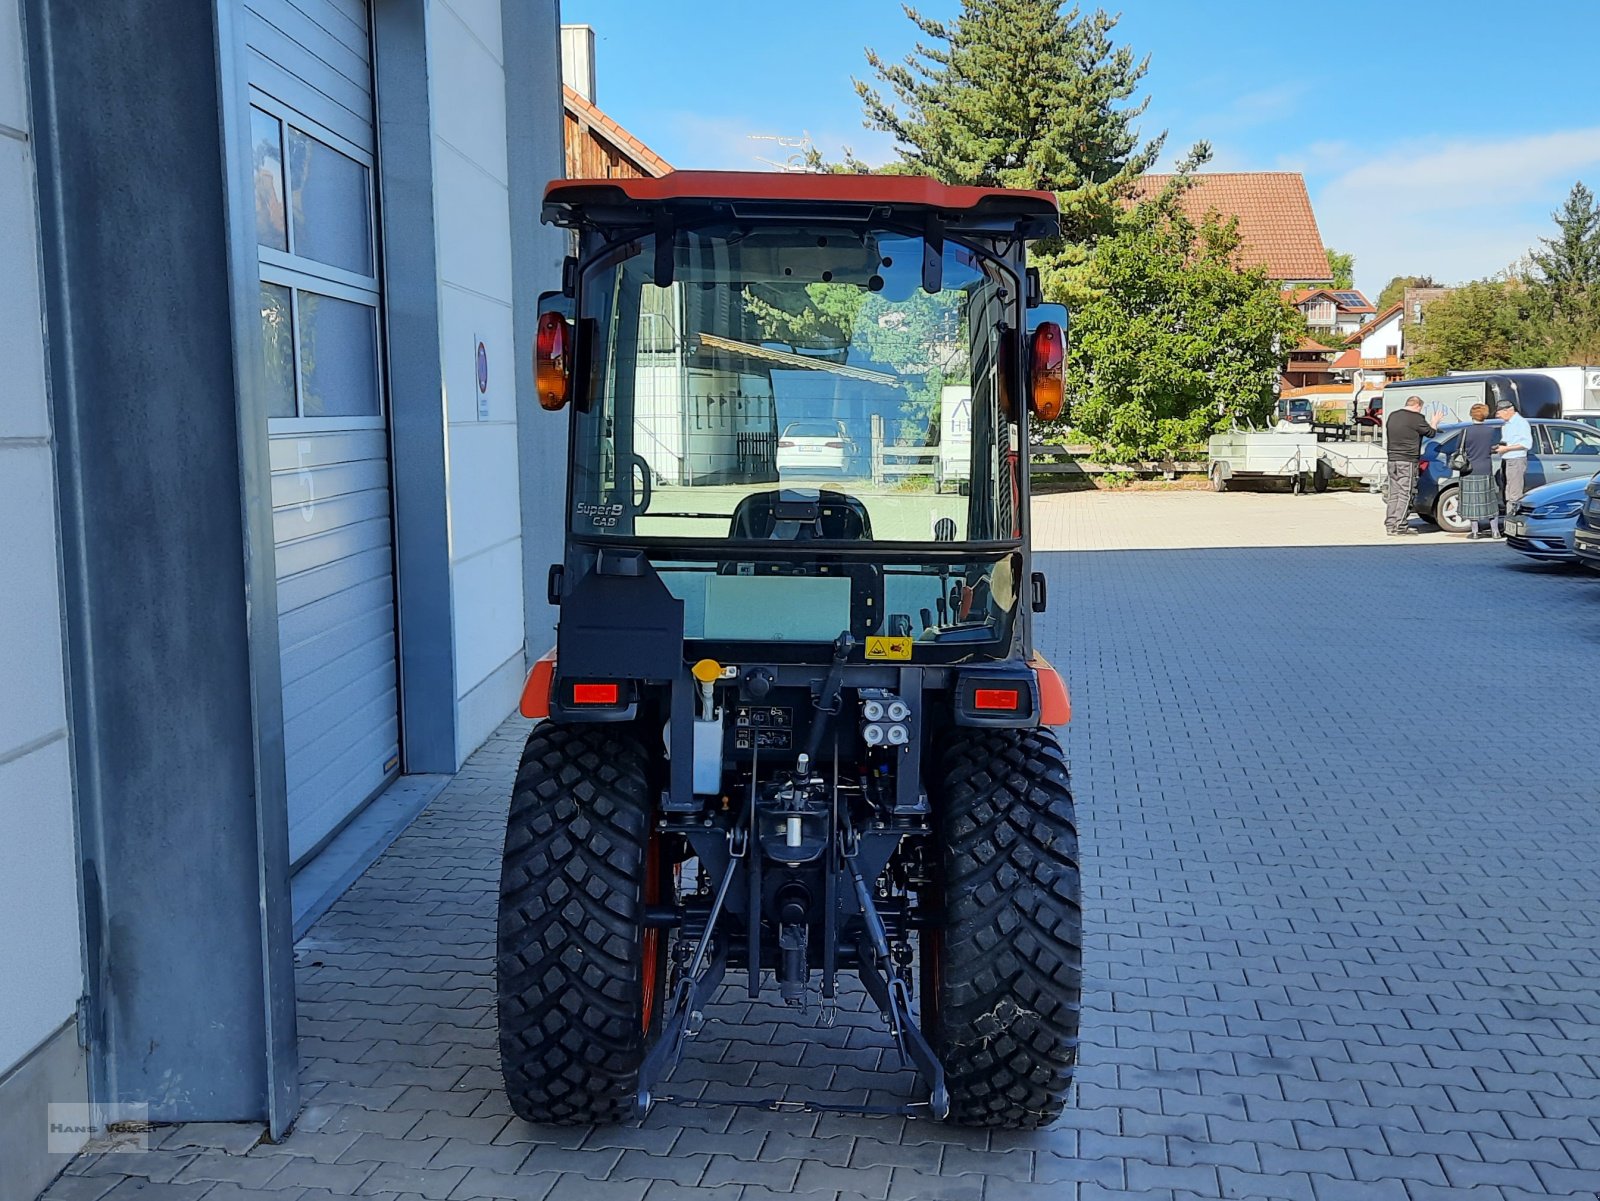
(1376, 344)
(467, 90)
(41, 975)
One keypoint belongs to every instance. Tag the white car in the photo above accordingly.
(807, 447)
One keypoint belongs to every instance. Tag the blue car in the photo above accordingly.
(1562, 450)
(1586, 531)
(1541, 524)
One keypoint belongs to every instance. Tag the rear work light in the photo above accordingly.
(1006, 700)
(594, 694)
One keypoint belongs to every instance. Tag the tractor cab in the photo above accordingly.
(796, 580)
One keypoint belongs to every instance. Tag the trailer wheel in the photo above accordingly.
(580, 978)
(1219, 482)
(1002, 971)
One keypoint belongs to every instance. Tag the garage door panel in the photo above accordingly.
(311, 586)
(324, 801)
(325, 550)
(308, 36)
(345, 19)
(291, 452)
(318, 661)
(332, 514)
(292, 75)
(271, 78)
(326, 516)
(371, 601)
(354, 704)
(336, 479)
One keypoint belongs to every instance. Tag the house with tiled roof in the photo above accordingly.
(1277, 229)
(1341, 311)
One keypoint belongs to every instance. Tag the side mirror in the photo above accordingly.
(552, 351)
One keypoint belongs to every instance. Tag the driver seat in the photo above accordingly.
(801, 515)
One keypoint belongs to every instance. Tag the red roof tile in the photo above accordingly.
(1277, 228)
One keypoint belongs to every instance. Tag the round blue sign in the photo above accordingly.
(483, 368)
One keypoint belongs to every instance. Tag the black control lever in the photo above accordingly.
(829, 699)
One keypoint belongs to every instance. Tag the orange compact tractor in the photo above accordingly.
(796, 728)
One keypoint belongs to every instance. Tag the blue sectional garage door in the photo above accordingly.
(314, 147)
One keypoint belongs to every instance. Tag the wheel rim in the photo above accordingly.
(1450, 507)
(650, 943)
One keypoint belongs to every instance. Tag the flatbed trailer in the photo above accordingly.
(1298, 457)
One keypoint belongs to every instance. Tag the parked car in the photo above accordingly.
(1562, 450)
(1590, 419)
(1296, 410)
(814, 446)
(1586, 531)
(1542, 523)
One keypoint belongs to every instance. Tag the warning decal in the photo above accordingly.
(881, 647)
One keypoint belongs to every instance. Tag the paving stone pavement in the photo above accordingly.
(1343, 935)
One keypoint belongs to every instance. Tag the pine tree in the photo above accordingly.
(1019, 94)
(1570, 262)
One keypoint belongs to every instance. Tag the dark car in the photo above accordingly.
(1296, 410)
(1586, 534)
(1561, 450)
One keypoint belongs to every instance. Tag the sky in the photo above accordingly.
(1436, 136)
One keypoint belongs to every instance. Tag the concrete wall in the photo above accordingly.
(41, 973)
(466, 77)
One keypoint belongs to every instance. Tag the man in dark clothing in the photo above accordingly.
(1403, 436)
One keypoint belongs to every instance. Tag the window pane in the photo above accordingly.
(277, 343)
(267, 154)
(332, 212)
(338, 358)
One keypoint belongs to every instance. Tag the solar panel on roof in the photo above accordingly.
(1351, 298)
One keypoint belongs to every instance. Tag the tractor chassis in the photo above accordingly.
(706, 951)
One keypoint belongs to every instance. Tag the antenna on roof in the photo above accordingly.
(797, 163)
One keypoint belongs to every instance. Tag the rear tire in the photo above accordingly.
(1219, 481)
(580, 979)
(1002, 976)
(1447, 511)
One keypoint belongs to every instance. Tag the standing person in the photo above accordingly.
(1403, 435)
(1480, 501)
(1516, 437)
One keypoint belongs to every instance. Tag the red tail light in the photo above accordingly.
(834, 445)
(594, 694)
(782, 442)
(1422, 466)
(1006, 699)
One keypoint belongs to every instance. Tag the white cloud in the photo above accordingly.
(1458, 210)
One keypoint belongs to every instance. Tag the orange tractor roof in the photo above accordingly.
(1036, 212)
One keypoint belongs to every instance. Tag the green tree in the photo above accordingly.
(1342, 267)
(1173, 341)
(1569, 264)
(1478, 326)
(1020, 94)
(1395, 289)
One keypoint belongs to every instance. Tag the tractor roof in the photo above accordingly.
(581, 202)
